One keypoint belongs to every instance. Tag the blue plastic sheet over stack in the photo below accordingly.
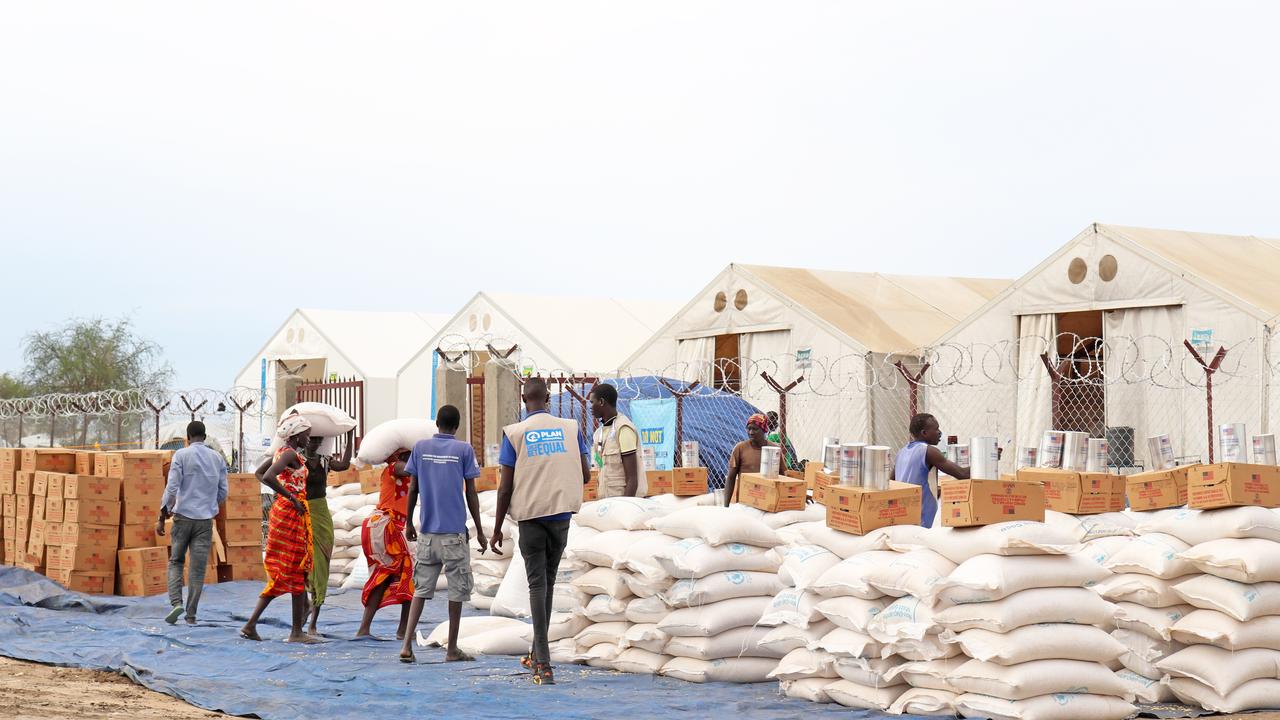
(210, 666)
(717, 420)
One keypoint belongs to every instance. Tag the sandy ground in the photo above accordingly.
(29, 691)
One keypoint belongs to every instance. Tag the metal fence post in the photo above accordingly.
(1209, 369)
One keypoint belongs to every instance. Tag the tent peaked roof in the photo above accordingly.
(1242, 267)
(884, 313)
(377, 344)
(585, 334)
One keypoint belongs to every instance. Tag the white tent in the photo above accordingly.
(322, 345)
(833, 328)
(1111, 309)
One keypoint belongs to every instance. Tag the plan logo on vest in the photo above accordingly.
(544, 442)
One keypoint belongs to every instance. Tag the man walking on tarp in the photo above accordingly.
(617, 447)
(918, 461)
(197, 485)
(544, 466)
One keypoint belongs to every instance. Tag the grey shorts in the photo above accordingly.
(443, 552)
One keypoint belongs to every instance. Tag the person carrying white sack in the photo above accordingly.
(617, 447)
(540, 488)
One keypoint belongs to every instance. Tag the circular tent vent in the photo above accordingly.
(720, 302)
(740, 299)
(289, 335)
(472, 322)
(1107, 268)
(1077, 271)
(302, 334)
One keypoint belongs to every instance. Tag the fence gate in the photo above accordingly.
(348, 395)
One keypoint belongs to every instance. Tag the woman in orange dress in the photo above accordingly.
(288, 553)
(386, 549)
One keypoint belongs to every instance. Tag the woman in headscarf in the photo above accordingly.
(289, 551)
(386, 549)
(318, 469)
(745, 457)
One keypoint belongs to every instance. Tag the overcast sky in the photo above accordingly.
(205, 168)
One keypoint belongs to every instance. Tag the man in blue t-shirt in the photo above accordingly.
(441, 468)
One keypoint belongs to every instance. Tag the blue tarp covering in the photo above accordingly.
(209, 666)
(717, 420)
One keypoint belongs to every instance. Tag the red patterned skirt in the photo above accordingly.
(288, 554)
(387, 551)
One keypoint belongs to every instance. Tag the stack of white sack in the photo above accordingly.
(724, 568)
(1019, 605)
(828, 614)
(1230, 612)
(483, 635)
(488, 568)
(347, 565)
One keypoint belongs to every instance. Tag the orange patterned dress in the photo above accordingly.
(288, 554)
(385, 547)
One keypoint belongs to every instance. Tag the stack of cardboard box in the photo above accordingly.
(8, 506)
(81, 530)
(31, 483)
(143, 571)
(239, 526)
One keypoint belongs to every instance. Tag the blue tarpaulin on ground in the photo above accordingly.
(209, 666)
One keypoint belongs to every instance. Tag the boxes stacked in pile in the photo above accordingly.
(143, 571)
(31, 483)
(142, 479)
(239, 526)
(8, 506)
(81, 530)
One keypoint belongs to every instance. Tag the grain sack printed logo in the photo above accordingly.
(544, 442)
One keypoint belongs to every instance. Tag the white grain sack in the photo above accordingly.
(805, 663)
(875, 672)
(991, 577)
(850, 576)
(791, 607)
(1155, 554)
(1064, 706)
(619, 513)
(1146, 690)
(1199, 526)
(719, 586)
(1059, 641)
(1084, 528)
(647, 610)
(1253, 695)
(863, 697)
(842, 544)
(811, 689)
(914, 573)
(802, 565)
(603, 581)
(695, 558)
(597, 633)
(638, 661)
(1153, 622)
(852, 613)
(934, 674)
(1213, 628)
(738, 642)
(1248, 560)
(925, 701)
(1241, 601)
(1029, 607)
(717, 526)
(785, 638)
(848, 643)
(1141, 589)
(645, 636)
(734, 670)
(1222, 670)
(1039, 677)
(715, 618)
(1020, 537)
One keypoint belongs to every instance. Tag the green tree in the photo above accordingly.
(87, 355)
(12, 387)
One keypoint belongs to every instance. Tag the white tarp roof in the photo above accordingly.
(378, 344)
(585, 333)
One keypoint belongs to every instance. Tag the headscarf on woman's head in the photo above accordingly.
(292, 425)
(759, 421)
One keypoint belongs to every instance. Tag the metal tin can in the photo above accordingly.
(851, 463)
(1231, 439)
(1264, 449)
(984, 455)
(1099, 456)
(769, 456)
(875, 467)
(1160, 452)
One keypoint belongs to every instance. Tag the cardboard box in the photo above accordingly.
(84, 462)
(240, 532)
(36, 538)
(232, 573)
(22, 481)
(658, 482)
(38, 508)
(135, 560)
(104, 536)
(967, 503)
(6, 484)
(591, 491)
(10, 552)
(1078, 493)
(24, 507)
(818, 481)
(83, 582)
(858, 511)
(93, 511)
(138, 465)
(1231, 484)
(1158, 488)
(91, 486)
(85, 558)
(21, 535)
(771, 495)
(243, 555)
(40, 483)
(688, 482)
(53, 508)
(9, 461)
(138, 536)
(371, 480)
(489, 478)
(9, 528)
(48, 460)
(9, 506)
(55, 484)
(239, 508)
(343, 477)
(142, 490)
(141, 585)
(101, 463)
(133, 512)
(243, 485)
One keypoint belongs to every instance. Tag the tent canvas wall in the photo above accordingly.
(369, 346)
(836, 329)
(1142, 293)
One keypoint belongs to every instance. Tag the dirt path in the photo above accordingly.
(29, 691)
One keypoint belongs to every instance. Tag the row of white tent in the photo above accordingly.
(1144, 283)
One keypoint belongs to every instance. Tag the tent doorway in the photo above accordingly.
(1079, 389)
(728, 365)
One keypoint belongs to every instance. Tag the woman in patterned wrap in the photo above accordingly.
(289, 551)
(386, 549)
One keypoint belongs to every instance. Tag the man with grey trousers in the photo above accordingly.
(197, 486)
